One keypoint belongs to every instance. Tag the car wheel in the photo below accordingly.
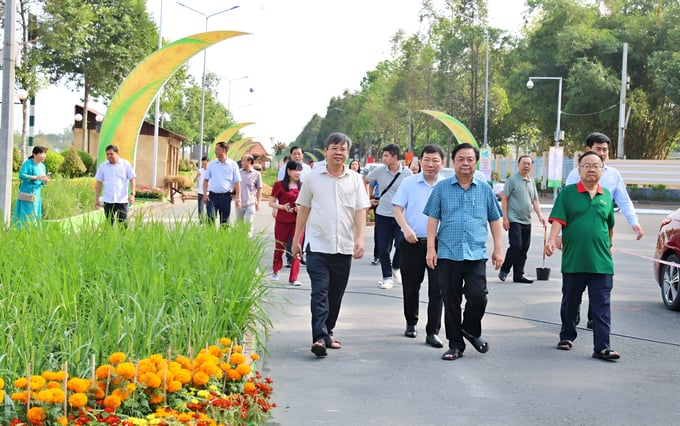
(670, 284)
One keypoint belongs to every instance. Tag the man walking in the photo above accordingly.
(221, 181)
(332, 206)
(584, 213)
(388, 176)
(114, 174)
(519, 198)
(251, 192)
(460, 209)
(409, 202)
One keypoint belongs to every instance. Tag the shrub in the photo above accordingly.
(16, 160)
(72, 166)
(87, 161)
(53, 161)
(186, 165)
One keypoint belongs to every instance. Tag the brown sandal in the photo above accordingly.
(335, 344)
(319, 348)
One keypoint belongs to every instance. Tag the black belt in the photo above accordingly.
(220, 193)
(422, 241)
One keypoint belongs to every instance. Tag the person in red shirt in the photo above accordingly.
(282, 200)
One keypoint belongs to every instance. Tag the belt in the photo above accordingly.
(219, 193)
(422, 241)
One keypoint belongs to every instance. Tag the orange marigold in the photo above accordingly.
(99, 393)
(215, 350)
(78, 385)
(77, 400)
(254, 357)
(123, 394)
(117, 357)
(104, 371)
(55, 396)
(52, 384)
(126, 370)
(146, 365)
(243, 369)
(225, 366)
(237, 348)
(2, 383)
(209, 368)
(200, 378)
(20, 396)
(249, 388)
(150, 379)
(183, 376)
(36, 415)
(237, 358)
(63, 420)
(156, 399)
(233, 375)
(112, 401)
(174, 386)
(156, 359)
(225, 341)
(184, 362)
(37, 382)
(21, 383)
(2, 395)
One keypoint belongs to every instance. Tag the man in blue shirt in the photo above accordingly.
(459, 209)
(408, 203)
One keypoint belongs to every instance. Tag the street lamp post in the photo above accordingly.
(207, 17)
(558, 133)
(229, 91)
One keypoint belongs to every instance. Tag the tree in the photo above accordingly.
(94, 44)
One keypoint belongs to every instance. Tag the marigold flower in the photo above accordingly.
(237, 348)
(209, 368)
(254, 357)
(150, 379)
(249, 388)
(156, 359)
(233, 375)
(146, 365)
(20, 396)
(21, 383)
(2, 383)
(112, 401)
(36, 415)
(237, 358)
(99, 393)
(52, 384)
(183, 376)
(77, 400)
(225, 366)
(62, 420)
(156, 399)
(243, 369)
(78, 385)
(200, 378)
(37, 383)
(104, 371)
(174, 386)
(123, 394)
(131, 387)
(2, 396)
(184, 362)
(225, 341)
(55, 396)
(126, 370)
(117, 357)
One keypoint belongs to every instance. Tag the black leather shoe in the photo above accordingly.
(433, 340)
(502, 274)
(410, 331)
(523, 279)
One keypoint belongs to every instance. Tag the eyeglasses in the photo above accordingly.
(591, 166)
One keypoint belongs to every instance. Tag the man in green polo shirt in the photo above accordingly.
(584, 212)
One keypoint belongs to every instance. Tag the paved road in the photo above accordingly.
(380, 377)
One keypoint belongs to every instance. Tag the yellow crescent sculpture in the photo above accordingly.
(238, 148)
(134, 96)
(225, 136)
(458, 129)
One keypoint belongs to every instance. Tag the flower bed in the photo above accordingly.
(218, 386)
(150, 193)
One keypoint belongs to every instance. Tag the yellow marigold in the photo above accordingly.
(104, 371)
(20, 396)
(209, 368)
(225, 341)
(254, 357)
(233, 375)
(185, 417)
(131, 387)
(77, 400)
(184, 362)
(21, 383)
(249, 388)
(174, 386)
(183, 376)
(59, 376)
(243, 369)
(237, 358)
(2, 396)
(237, 348)
(150, 379)
(201, 358)
(200, 378)
(112, 401)
(126, 370)
(174, 366)
(36, 415)
(55, 396)
(2, 383)
(156, 399)
(78, 385)
(225, 366)
(37, 383)
(62, 420)
(146, 365)
(117, 357)
(156, 359)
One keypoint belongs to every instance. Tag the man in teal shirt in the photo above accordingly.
(584, 213)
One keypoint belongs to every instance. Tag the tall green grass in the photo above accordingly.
(150, 288)
(63, 197)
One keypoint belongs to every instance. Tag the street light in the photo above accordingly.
(207, 17)
(229, 92)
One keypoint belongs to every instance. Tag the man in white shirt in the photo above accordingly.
(114, 175)
(251, 192)
(332, 207)
(221, 181)
(297, 154)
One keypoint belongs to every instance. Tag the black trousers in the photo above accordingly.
(329, 274)
(599, 296)
(519, 237)
(413, 266)
(221, 202)
(458, 278)
(116, 212)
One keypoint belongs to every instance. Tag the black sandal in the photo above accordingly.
(607, 355)
(452, 355)
(319, 348)
(481, 345)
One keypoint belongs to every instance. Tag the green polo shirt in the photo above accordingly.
(585, 229)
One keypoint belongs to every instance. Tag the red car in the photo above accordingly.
(668, 249)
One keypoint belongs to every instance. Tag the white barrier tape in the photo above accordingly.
(630, 253)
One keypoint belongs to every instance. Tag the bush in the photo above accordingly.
(16, 160)
(72, 166)
(53, 161)
(88, 162)
(186, 166)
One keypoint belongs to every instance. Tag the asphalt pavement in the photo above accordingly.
(380, 377)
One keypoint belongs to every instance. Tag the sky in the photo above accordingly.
(297, 56)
